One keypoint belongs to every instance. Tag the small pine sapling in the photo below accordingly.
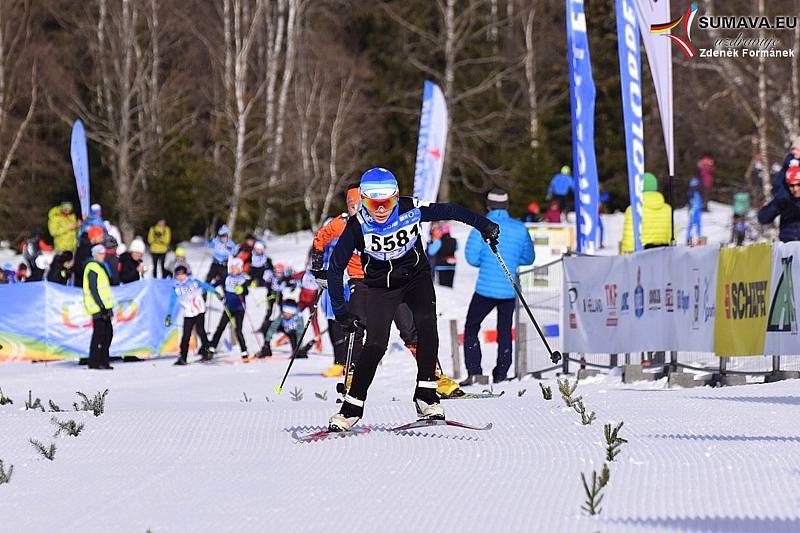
(246, 399)
(96, 405)
(54, 408)
(33, 404)
(322, 396)
(547, 392)
(48, 453)
(4, 400)
(567, 391)
(70, 427)
(593, 493)
(5, 476)
(296, 394)
(521, 392)
(586, 419)
(613, 441)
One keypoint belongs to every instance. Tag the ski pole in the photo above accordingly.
(341, 388)
(279, 388)
(555, 355)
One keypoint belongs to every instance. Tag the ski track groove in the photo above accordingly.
(179, 450)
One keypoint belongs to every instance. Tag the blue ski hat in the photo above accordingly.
(378, 182)
(223, 230)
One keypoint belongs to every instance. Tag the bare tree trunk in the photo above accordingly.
(288, 73)
(449, 89)
(766, 184)
(124, 180)
(275, 33)
(530, 75)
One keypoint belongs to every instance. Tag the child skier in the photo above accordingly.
(386, 232)
(234, 298)
(259, 263)
(188, 292)
(289, 322)
(224, 249)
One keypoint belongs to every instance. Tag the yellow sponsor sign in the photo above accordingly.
(743, 276)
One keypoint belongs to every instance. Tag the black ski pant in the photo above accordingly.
(238, 320)
(196, 323)
(158, 259)
(479, 307)
(403, 317)
(419, 295)
(339, 341)
(102, 334)
(446, 277)
(216, 274)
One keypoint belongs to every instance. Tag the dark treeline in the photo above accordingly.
(259, 112)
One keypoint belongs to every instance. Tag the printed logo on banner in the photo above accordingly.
(745, 300)
(611, 304)
(625, 307)
(782, 311)
(638, 295)
(654, 299)
(74, 316)
(592, 305)
(669, 303)
(696, 298)
(572, 295)
(682, 300)
(709, 308)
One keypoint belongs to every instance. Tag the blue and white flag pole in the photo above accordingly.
(582, 96)
(431, 144)
(80, 165)
(630, 71)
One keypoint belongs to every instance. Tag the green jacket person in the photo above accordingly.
(99, 303)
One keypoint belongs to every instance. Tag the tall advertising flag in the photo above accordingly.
(582, 94)
(431, 144)
(80, 165)
(653, 13)
(631, 83)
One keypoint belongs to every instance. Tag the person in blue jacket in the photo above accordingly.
(223, 249)
(188, 293)
(561, 188)
(234, 307)
(695, 208)
(493, 289)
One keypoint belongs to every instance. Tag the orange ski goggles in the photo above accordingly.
(373, 204)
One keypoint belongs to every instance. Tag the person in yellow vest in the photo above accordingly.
(656, 219)
(159, 238)
(98, 302)
(63, 227)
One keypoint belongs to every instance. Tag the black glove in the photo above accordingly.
(168, 320)
(321, 277)
(317, 260)
(348, 322)
(491, 234)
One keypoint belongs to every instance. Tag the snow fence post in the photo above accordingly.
(455, 350)
(521, 361)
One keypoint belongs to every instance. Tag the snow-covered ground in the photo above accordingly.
(209, 448)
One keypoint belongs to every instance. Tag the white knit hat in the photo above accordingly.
(137, 246)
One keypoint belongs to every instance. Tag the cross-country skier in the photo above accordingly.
(259, 263)
(234, 302)
(188, 292)
(224, 248)
(386, 232)
(289, 322)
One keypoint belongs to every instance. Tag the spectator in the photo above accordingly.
(694, 230)
(112, 259)
(656, 219)
(22, 273)
(32, 249)
(442, 251)
(159, 237)
(4, 277)
(63, 227)
(561, 188)
(61, 268)
(493, 289)
(176, 259)
(99, 303)
(741, 206)
(706, 169)
(131, 267)
(223, 249)
(553, 214)
(95, 218)
(534, 213)
(788, 208)
(94, 235)
(792, 159)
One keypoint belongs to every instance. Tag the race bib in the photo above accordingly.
(394, 239)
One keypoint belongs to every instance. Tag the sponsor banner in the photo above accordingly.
(431, 143)
(782, 336)
(80, 165)
(42, 320)
(660, 299)
(630, 72)
(743, 293)
(582, 98)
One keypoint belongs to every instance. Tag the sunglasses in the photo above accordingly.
(792, 185)
(372, 204)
